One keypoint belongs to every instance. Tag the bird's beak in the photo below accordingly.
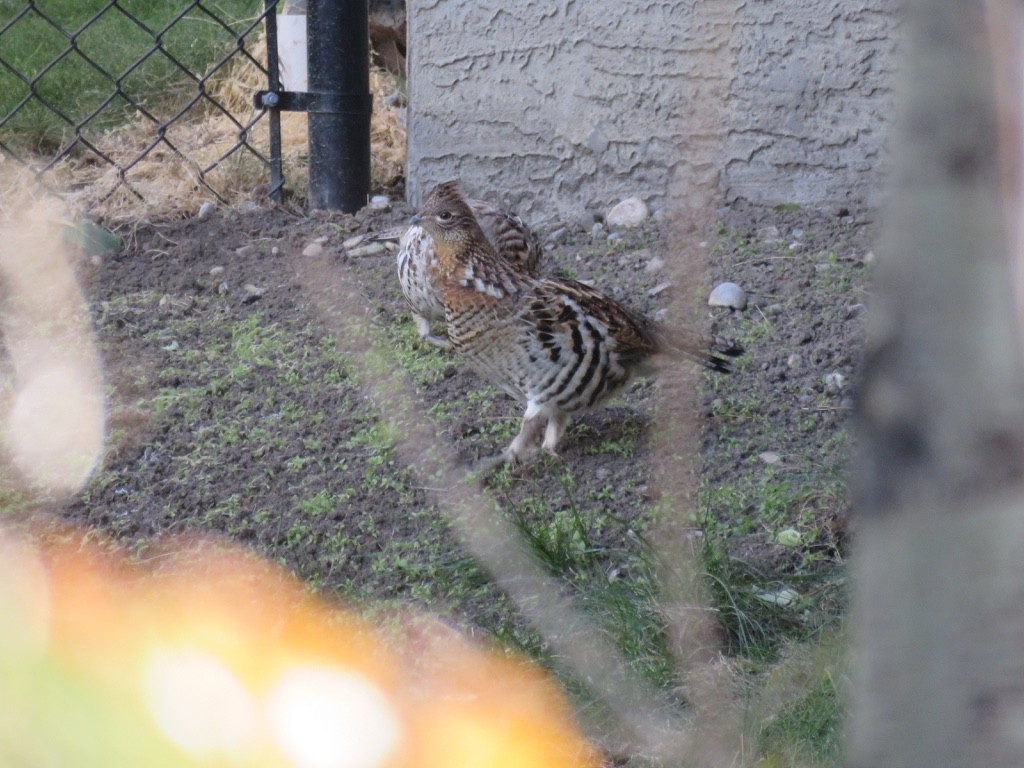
(416, 219)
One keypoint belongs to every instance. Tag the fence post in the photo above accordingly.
(339, 132)
(273, 116)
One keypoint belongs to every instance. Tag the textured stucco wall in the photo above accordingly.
(563, 108)
(812, 102)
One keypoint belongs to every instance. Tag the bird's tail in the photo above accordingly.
(387, 235)
(392, 235)
(713, 352)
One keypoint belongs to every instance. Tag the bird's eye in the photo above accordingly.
(445, 215)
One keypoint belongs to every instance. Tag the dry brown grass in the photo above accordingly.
(174, 177)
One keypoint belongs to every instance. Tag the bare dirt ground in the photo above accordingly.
(234, 409)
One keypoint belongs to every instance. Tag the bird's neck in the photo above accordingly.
(454, 256)
(451, 258)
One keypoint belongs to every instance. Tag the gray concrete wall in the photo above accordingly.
(561, 109)
(812, 102)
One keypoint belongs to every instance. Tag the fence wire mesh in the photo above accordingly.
(98, 91)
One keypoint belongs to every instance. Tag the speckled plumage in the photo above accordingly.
(556, 345)
(416, 259)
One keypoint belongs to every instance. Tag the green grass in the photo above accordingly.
(587, 531)
(764, 616)
(114, 43)
(796, 711)
(808, 731)
(424, 363)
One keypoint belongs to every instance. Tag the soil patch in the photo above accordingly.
(235, 410)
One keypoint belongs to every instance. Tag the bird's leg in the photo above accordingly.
(424, 328)
(520, 446)
(557, 423)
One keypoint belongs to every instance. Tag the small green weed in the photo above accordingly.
(558, 537)
(324, 503)
(425, 363)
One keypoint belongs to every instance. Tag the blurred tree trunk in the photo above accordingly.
(938, 616)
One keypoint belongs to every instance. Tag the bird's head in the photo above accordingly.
(447, 217)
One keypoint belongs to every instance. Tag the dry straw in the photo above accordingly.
(168, 181)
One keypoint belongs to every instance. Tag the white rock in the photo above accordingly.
(770, 457)
(206, 210)
(769, 233)
(728, 295)
(558, 235)
(656, 264)
(780, 597)
(380, 203)
(834, 382)
(253, 292)
(631, 212)
(794, 360)
(869, 257)
(352, 242)
(659, 289)
(789, 537)
(215, 271)
(313, 249)
(275, 251)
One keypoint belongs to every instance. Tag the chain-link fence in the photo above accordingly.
(98, 91)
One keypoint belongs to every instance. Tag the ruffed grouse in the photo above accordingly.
(557, 345)
(417, 261)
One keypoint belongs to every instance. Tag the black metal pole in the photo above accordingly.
(274, 84)
(339, 132)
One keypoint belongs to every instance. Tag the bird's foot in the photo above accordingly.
(552, 453)
(483, 467)
(425, 330)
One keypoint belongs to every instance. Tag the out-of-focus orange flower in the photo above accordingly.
(209, 656)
